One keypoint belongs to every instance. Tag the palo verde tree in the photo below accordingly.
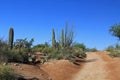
(11, 37)
(115, 30)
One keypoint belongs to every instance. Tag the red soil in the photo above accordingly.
(61, 69)
(65, 70)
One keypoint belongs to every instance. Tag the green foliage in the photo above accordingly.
(23, 44)
(80, 46)
(6, 73)
(110, 48)
(11, 37)
(114, 51)
(4, 51)
(54, 54)
(115, 30)
(78, 52)
(16, 54)
(22, 57)
(91, 50)
(65, 48)
(21, 49)
(45, 48)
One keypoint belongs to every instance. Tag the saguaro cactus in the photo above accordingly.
(53, 38)
(62, 41)
(11, 37)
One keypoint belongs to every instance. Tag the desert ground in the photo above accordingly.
(97, 66)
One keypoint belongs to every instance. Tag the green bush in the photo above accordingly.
(6, 73)
(37, 49)
(55, 54)
(3, 57)
(16, 56)
(67, 54)
(115, 53)
(91, 50)
(80, 46)
(47, 50)
(110, 48)
(3, 51)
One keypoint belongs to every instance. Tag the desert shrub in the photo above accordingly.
(16, 56)
(115, 53)
(55, 54)
(20, 51)
(59, 54)
(6, 73)
(72, 60)
(80, 46)
(110, 48)
(47, 50)
(91, 50)
(37, 49)
(115, 31)
(80, 55)
(3, 56)
(78, 52)
(64, 47)
(7, 54)
(4, 51)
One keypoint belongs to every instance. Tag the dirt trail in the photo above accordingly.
(94, 68)
(97, 66)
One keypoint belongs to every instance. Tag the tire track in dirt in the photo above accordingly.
(94, 68)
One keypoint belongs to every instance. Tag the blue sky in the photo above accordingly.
(36, 18)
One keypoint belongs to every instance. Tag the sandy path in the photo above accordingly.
(94, 68)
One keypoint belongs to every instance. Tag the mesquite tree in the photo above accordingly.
(11, 37)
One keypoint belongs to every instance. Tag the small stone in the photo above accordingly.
(41, 74)
(21, 68)
(4, 64)
(49, 78)
(16, 64)
(34, 79)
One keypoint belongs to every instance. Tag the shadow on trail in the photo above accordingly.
(86, 61)
(77, 62)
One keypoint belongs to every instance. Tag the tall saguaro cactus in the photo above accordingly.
(11, 37)
(53, 38)
(62, 41)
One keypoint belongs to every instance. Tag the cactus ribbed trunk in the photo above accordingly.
(53, 39)
(11, 37)
(62, 39)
